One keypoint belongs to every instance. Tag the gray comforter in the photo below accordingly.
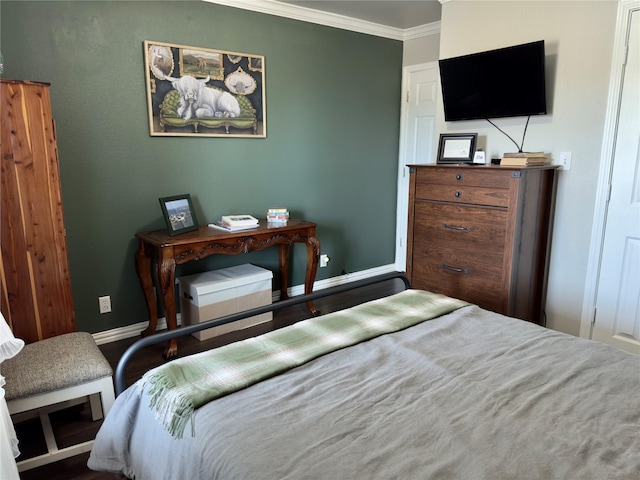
(470, 395)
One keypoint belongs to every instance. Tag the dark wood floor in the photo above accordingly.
(74, 425)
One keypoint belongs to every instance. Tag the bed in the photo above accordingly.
(467, 394)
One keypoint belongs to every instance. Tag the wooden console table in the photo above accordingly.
(166, 252)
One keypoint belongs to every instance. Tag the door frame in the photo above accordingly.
(625, 7)
(402, 204)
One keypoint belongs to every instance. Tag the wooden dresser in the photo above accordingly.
(482, 234)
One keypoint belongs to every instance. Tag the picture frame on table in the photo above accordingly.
(179, 214)
(456, 148)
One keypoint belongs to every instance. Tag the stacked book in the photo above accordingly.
(524, 159)
(277, 215)
(234, 223)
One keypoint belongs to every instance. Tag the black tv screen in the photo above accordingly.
(507, 82)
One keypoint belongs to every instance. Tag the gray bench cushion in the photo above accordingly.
(53, 364)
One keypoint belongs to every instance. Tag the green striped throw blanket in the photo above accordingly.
(178, 387)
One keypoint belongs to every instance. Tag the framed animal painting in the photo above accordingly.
(195, 91)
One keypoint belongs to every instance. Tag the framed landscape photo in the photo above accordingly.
(457, 147)
(203, 92)
(179, 214)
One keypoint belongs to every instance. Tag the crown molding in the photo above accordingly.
(304, 14)
(421, 31)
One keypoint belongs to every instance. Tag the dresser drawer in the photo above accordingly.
(491, 177)
(476, 278)
(460, 185)
(469, 195)
(467, 227)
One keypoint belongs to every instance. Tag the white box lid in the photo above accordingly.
(224, 278)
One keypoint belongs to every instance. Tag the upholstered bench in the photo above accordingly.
(52, 374)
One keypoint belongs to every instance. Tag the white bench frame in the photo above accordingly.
(101, 397)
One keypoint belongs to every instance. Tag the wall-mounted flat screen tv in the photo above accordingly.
(507, 82)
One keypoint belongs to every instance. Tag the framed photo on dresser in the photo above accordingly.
(457, 147)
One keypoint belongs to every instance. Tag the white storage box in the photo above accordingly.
(217, 293)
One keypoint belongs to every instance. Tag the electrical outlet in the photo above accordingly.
(324, 259)
(105, 304)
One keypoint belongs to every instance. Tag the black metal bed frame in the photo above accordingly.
(120, 380)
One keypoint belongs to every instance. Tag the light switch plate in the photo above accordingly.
(565, 161)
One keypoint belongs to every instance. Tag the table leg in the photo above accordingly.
(166, 269)
(143, 269)
(283, 260)
(313, 257)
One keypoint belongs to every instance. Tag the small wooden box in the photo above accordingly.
(217, 293)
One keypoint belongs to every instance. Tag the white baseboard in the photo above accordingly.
(134, 330)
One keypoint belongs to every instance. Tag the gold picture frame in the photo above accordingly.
(202, 92)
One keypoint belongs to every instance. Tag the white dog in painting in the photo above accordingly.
(198, 100)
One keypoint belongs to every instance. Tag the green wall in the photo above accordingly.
(333, 109)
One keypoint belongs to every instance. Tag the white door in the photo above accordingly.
(417, 139)
(617, 316)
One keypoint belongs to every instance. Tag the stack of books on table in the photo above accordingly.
(524, 159)
(277, 215)
(234, 223)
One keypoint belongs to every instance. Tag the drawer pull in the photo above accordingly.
(456, 227)
(457, 194)
(453, 269)
(459, 176)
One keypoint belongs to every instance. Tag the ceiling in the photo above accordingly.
(398, 14)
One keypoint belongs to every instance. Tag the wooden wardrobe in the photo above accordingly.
(36, 286)
(482, 234)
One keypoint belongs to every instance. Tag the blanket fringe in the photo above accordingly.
(172, 408)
